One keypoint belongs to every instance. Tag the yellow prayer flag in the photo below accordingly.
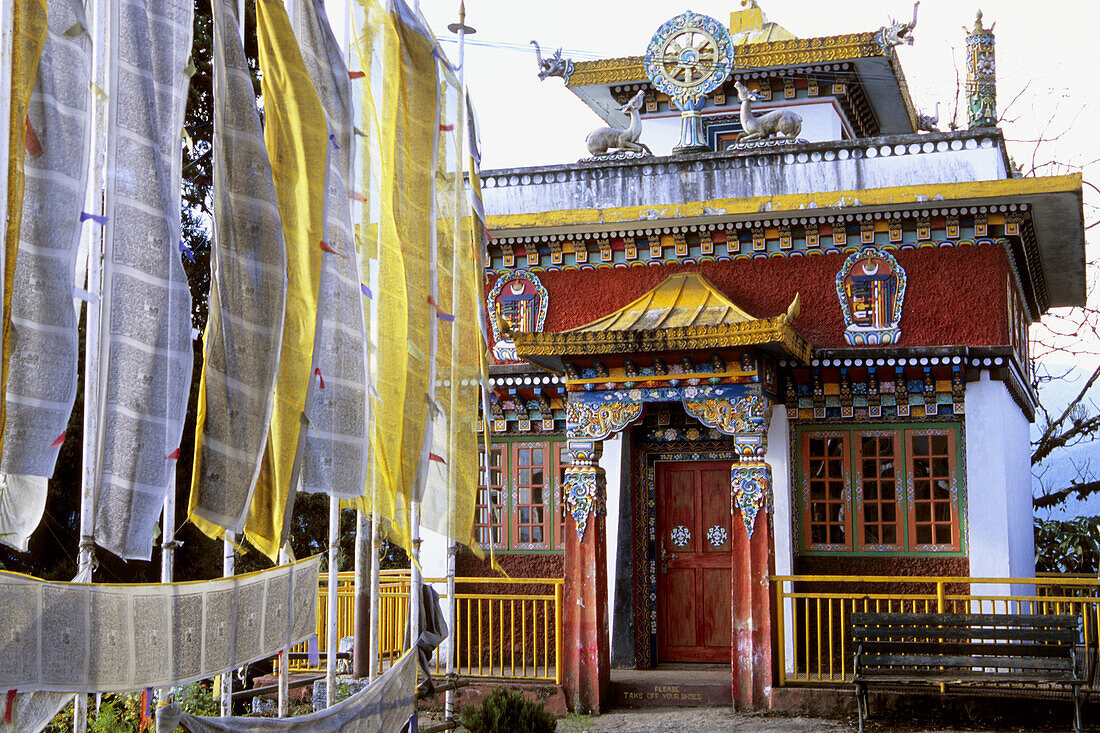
(297, 140)
(28, 38)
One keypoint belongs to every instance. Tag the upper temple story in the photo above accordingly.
(752, 143)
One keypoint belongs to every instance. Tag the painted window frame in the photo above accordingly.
(904, 488)
(553, 451)
(547, 504)
(806, 506)
(953, 492)
(481, 507)
(900, 500)
(562, 460)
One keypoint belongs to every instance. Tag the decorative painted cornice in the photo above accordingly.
(765, 331)
(608, 71)
(751, 55)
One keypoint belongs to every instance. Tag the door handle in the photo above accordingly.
(665, 556)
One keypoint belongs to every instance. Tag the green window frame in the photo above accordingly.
(526, 490)
(879, 489)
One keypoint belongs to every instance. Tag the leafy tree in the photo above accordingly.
(1067, 546)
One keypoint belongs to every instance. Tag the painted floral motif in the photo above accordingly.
(583, 497)
(681, 536)
(752, 485)
(716, 535)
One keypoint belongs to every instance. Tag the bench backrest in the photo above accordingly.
(953, 640)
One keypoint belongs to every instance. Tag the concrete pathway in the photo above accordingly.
(703, 720)
(725, 720)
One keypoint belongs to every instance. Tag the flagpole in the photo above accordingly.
(374, 660)
(416, 579)
(283, 703)
(333, 597)
(360, 654)
(92, 243)
(461, 29)
(228, 569)
(167, 553)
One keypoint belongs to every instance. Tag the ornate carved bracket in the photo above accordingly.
(585, 495)
(732, 412)
(585, 484)
(751, 490)
(740, 410)
(597, 420)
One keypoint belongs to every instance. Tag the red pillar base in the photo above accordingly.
(752, 614)
(586, 650)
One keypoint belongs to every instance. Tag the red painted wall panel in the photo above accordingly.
(954, 295)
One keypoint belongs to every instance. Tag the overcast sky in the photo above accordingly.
(1052, 45)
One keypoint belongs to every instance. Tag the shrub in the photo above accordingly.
(507, 711)
(197, 699)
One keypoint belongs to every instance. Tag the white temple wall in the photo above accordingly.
(998, 485)
(611, 462)
(778, 456)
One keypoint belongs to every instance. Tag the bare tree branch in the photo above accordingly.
(1078, 491)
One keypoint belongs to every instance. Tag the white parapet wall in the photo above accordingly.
(1001, 541)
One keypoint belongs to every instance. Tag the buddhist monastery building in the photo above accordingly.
(781, 332)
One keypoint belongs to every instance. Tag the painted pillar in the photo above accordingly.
(981, 76)
(586, 650)
(753, 562)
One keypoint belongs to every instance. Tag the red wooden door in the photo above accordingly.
(694, 562)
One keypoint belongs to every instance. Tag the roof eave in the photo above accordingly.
(549, 349)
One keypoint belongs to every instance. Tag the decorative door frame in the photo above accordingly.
(643, 483)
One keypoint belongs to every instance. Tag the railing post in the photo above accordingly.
(558, 635)
(941, 596)
(781, 636)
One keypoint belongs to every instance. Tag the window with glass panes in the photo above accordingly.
(531, 486)
(931, 476)
(826, 458)
(879, 488)
(489, 512)
(525, 488)
(879, 503)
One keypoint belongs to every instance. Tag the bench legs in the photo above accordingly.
(1077, 709)
(861, 704)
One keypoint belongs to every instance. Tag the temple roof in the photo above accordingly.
(683, 312)
(764, 45)
(687, 299)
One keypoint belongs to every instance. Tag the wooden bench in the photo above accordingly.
(986, 650)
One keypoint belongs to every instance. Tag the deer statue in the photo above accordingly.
(766, 125)
(928, 123)
(601, 140)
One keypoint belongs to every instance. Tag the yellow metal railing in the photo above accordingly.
(813, 610)
(497, 634)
